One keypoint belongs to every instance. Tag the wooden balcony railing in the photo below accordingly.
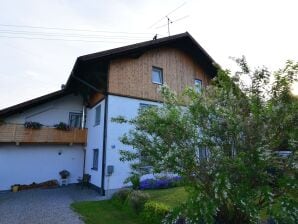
(17, 133)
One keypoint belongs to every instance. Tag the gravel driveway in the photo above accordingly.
(43, 206)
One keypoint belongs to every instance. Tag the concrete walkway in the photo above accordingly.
(44, 206)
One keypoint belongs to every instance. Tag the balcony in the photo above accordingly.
(17, 133)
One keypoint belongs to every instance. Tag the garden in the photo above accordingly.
(149, 205)
(226, 143)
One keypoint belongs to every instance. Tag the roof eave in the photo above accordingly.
(18, 108)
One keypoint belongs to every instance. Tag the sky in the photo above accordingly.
(36, 60)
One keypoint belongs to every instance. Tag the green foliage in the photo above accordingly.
(171, 196)
(32, 125)
(114, 212)
(106, 212)
(122, 195)
(154, 212)
(224, 142)
(137, 199)
(62, 126)
(64, 174)
(134, 179)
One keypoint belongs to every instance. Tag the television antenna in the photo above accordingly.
(169, 21)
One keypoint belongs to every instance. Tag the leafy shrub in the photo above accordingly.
(222, 141)
(154, 212)
(160, 183)
(32, 125)
(122, 195)
(62, 126)
(137, 199)
(134, 179)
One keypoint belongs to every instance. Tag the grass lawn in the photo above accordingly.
(105, 212)
(171, 197)
(109, 212)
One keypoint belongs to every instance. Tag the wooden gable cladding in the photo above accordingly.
(132, 77)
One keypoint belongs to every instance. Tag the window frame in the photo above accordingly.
(154, 68)
(95, 159)
(97, 122)
(143, 106)
(75, 113)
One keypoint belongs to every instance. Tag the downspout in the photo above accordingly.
(82, 127)
(103, 168)
(83, 117)
(104, 149)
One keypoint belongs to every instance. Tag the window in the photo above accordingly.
(157, 76)
(95, 159)
(97, 115)
(145, 105)
(75, 120)
(198, 85)
(203, 153)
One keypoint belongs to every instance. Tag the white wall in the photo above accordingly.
(94, 141)
(50, 113)
(25, 164)
(119, 106)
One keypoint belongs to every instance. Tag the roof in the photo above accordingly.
(147, 44)
(18, 108)
(184, 41)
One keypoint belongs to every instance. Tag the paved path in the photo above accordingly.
(43, 206)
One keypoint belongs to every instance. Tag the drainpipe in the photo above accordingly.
(105, 128)
(83, 118)
(85, 148)
(103, 168)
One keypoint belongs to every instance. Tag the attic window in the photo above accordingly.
(198, 85)
(157, 76)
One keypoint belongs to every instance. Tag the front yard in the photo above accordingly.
(112, 212)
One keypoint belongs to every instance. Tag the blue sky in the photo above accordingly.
(264, 31)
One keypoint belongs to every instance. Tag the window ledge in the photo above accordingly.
(158, 83)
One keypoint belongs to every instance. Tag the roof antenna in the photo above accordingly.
(169, 22)
(155, 37)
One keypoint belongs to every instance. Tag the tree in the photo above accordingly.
(225, 141)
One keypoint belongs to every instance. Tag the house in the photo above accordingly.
(101, 86)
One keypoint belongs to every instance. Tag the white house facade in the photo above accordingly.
(28, 163)
(101, 86)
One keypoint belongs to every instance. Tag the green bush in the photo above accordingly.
(154, 212)
(62, 126)
(134, 179)
(137, 199)
(122, 195)
(32, 125)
